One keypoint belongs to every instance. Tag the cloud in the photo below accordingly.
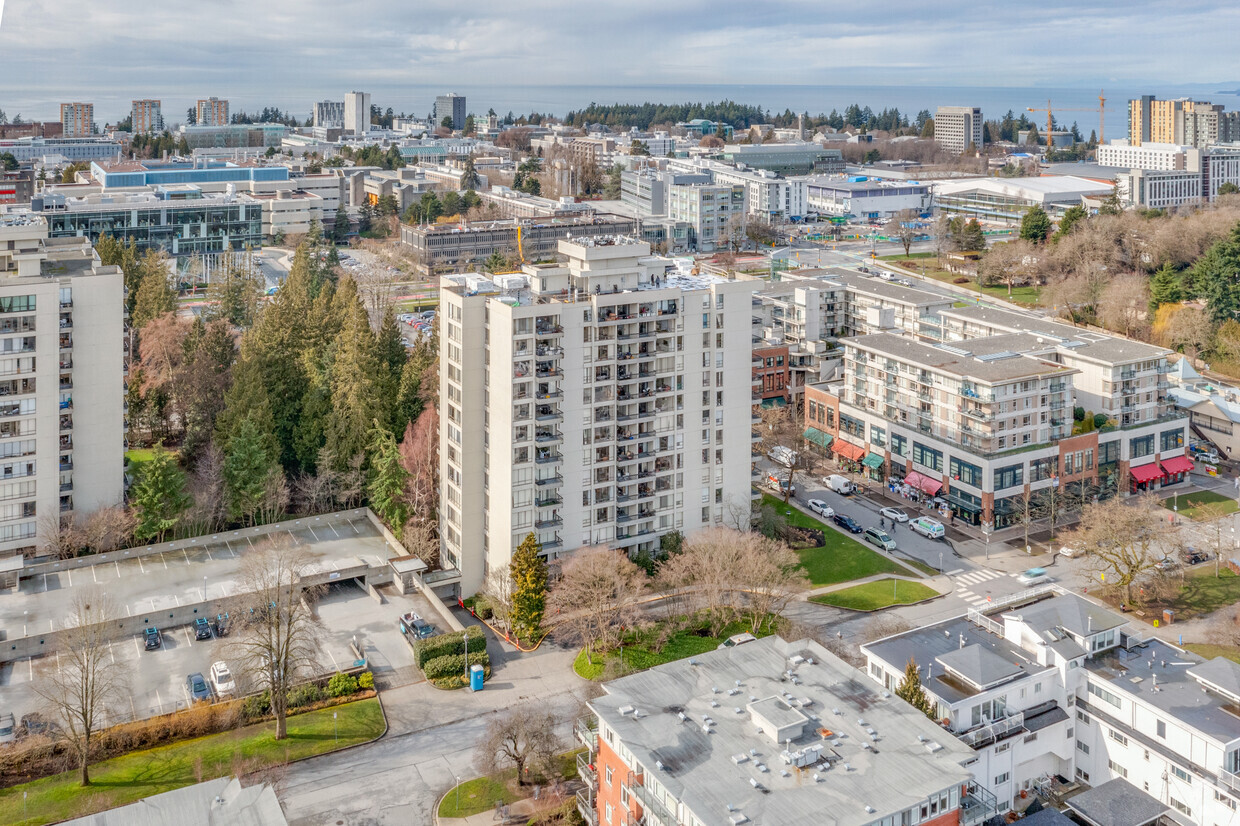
(295, 51)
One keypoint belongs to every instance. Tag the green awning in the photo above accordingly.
(813, 434)
(778, 401)
(873, 460)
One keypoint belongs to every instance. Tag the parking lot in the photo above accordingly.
(347, 613)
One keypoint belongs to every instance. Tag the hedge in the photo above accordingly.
(454, 664)
(444, 644)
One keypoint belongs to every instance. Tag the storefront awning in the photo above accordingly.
(1146, 473)
(777, 401)
(813, 434)
(1177, 464)
(873, 460)
(924, 483)
(848, 451)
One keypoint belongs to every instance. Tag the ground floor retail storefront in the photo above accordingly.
(1159, 474)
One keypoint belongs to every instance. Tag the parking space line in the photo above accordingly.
(94, 575)
(128, 613)
(159, 700)
(353, 525)
(186, 553)
(334, 666)
(164, 558)
(178, 600)
(312, 533)
(247, 539)
(141, 566)
(69, 573)
(208, 550)
(333, 527)
(188, 639)
(133, 708)
(118, 569)
(111, 653)
(137, 647)
(30, 664)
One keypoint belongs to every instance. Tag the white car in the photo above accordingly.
(821, 508)
(1034, 576)
(408, 618)
(222, 679)
(1069, 551)
(894, 514)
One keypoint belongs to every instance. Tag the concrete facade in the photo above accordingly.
(956, 127)
(357, 113)
(77, 120)
(212, 111)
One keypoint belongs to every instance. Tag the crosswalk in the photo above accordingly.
(966, 582)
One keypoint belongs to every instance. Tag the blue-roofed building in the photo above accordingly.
(127, 174)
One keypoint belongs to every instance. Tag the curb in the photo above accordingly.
(884, 608)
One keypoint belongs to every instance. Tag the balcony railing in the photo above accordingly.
(585, 807)
(655, 811)
(587, 772)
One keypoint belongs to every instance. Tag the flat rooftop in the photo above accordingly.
(170, 579)
(989, 367)
(1094, 345)
(860, 753)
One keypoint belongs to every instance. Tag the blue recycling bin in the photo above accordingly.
(475, 678)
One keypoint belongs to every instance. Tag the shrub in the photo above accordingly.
(451, 664)
(342, 685)
(256, 706)
(483, 609)
(366, 681)
(1078, 413)
(1100, 420)
(442, 645)
(962, 280)
(304, 695)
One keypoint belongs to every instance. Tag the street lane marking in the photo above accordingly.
(957, 571)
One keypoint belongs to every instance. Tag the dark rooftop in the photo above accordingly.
(1117, 803)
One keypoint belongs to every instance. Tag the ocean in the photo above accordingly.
(558, 100)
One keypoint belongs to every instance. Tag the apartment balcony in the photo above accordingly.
(547, 500)
(548, 436)
(1057, 387)
(66, 321)
(66, 487)
(66, 364)
(66, 383)
(654, 811)
(549, 394)
(1127, 375)
(978, 415)
(66, 423)
(587, 772)
(551, 543)
(638, 416)
(549, 373)
(66, 443)
(548, 351)
(546, 481)
(1059, 405)
(66, 463)
(548, 330)
(552, 522)
(66, 342)
(585, 807)
(66, 304)
(546, 457)
(66, 504)
(548, 414)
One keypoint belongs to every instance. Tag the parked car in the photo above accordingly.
(1034, 576)
(220, 625)
(1166, 563)
(409, 616)
(222, 679)
(880, 538)
(202, 629)
(1069, 551)
(1192, 556)
(847, 523)
(36, 723)
(839, 484)
(417, 627)
(927, 527)
(197, 688)
(154, 639)
(737, 639)
(894, 514)
(780, 486)
(821, 508)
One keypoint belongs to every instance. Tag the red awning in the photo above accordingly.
(848, 451)
(1177, 464)
(1146, 473)
(924, 483)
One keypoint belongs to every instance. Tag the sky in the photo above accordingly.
(292, 52)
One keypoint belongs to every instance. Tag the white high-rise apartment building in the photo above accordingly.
(955, 127)
(357, 113)
(62, 390)
(604, 401)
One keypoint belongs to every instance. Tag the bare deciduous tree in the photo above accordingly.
(1120, 537)
(498, 591)
(596, 594)
(61, 535)
(779, 435)
(907, 229)
(277, 635)
(87, 679)
(522, 738)
(770, 575)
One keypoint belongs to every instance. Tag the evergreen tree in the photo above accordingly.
(1036, 225)
(1111, 205)
(159, 497)
(387, 481)
(248, 466)
(390, 350)
(972, 239)
(236, 290)
(1165, 288)
(365, 218)
(340, 229)
(155, 295)
(529, 587)
(355, 384)
(408, 404)
(1216, 277)
(469, 175)
(1072, 216)
(911, 692)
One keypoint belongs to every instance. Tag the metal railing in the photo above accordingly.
(993, 732)
(585, 807)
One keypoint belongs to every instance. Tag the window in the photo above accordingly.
(609, 775)
(1181, 773)
(1141, 446)
(970, 475)
(1082, 716)
(1082, 775)
(608, 812)
(1082, 747)
(1108, 453)
(1040, 469)
(1160, 728)
(878, 436)
(1009, 477)
(1104, 695)
(1225, 800)
(1171, 439)
(1180, 807)
(927, 457)
(899, 445)
(854, 427)
(1117, 737)
(1117, 769)
(1002, 778)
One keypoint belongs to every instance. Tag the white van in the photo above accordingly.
(880, 539)
(927, 527)
(839, 484)
(781, 455)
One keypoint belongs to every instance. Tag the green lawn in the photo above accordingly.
(1203, 592)
(841, 559)
(906, 257)
(140, 454)
(1020, 295)
(482, 793)
(125, 779)
(1201, 649)
(638, 654)
(1217, 504)
(871, 596)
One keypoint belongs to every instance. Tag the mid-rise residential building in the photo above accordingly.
(452, 106)
(1213, 409)
(1159, 189)
(769, 733)
(16, 186)
(1181, 121)
(647, 190)
(984, 419)
(1049, 685)
(62, 356)
(1169, 175)
(956, 128)
(211, 111)
(1147, 155)
(77, 120)
(868, 199)
(357, 113)
(329, 113)
(714, 213)
(605, 401)
(769, 197)
(594, 149)
(451, 248)
(146, 116)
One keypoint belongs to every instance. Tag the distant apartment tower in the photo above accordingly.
(604, 401)
(1182, 121)
(146, 116)
(77, 119)
(357, 113)
(955, 127)
(63, 431)
(450, 105)
(329, 113)
(212, 112)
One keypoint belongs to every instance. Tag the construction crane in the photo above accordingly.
(1050, 120)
